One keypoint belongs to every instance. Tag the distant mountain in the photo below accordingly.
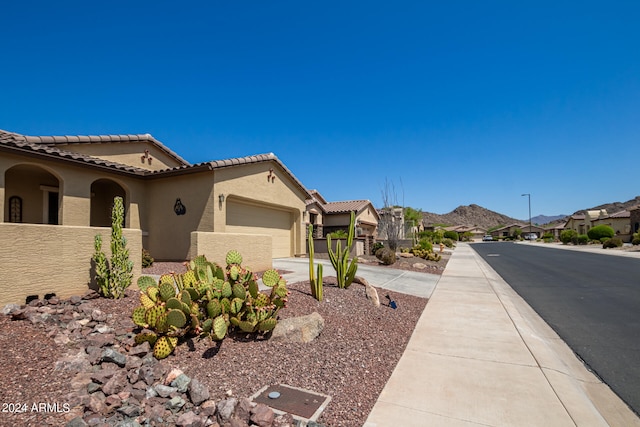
(544, 219)
(472, 215)
(477, 215)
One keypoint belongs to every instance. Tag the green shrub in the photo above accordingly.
(376, 246)
(386, 256)
(448, 243)
(567, 236)
(600, 231)
(635, 241)
(614, 242)
(453, 235)
(339, 234)
(582, 239)
(426, 245)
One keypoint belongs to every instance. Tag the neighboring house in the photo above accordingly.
(328, 217)
(555, 231)
(634, 219)
(581, 223)
(476, 232)
(56, 194)
(620, 222)
(508, 230)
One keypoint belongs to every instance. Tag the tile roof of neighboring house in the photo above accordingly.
(45, 146)
(621, 214)
(346, 206)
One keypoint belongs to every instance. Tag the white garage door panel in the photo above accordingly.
(253, 219)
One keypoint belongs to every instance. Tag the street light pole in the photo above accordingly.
(529, 196)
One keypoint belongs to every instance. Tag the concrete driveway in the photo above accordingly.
(406, 282)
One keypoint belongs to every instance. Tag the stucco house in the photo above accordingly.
(328, 217)
(620, 222)
(581, 223)
(476, 232)
(56, 194)
(508, 230)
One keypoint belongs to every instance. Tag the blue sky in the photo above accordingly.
(455, 102)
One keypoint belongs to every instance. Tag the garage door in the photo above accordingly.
(257, 219)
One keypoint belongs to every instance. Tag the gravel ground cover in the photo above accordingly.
(351, 360)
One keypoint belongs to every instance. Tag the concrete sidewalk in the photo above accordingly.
(479, 355)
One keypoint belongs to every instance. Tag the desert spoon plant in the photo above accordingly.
(316, 280)
(114, 277)
(345, 270)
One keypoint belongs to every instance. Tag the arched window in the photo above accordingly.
(15, 209)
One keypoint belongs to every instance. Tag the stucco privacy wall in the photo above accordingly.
(40, 259)
(265, 183)
(254, 248)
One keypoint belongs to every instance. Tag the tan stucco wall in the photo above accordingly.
(368, 215)
(255, 249)
(74, 185)
(250, 182)
(41, 259)
(335, 220)
(169, 234)
(129, 153)
(621, 226)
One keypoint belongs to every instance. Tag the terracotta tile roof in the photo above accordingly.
(45, 146)
(621, 214)
(346, 206)
(22, 143)
(92, 139)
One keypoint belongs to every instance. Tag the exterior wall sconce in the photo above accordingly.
(221, 198)
(179, 208)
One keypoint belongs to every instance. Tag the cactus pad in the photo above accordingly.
(281, 291)
(146, 336)
(213, 308)
(261, 300)
(139, 316)
(236, 305)
(164, 347)
(167, 290)
(219, 329)
(267, 325)
(152, 315)
(247, 326)
(185, 297)
(176, 318)
(239, 291)
(253, 289)
(146, 301)
(174, 303)
(207, 325)
(226, 305)
(153, 292)
(145, 281)
(270, 278)
(193, 293)
(227, 290)
(234, 272)
(233, 257)
(189, 279)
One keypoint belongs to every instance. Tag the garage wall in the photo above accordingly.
(267, 186)
(255, 249)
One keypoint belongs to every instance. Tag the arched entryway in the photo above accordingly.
(103, 191)
(32, 195)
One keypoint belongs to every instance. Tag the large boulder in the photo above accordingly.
(301, 329)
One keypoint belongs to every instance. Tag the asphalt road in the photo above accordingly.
(592, 301)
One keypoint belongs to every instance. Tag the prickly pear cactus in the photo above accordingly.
(206, 301)
(233, 257)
